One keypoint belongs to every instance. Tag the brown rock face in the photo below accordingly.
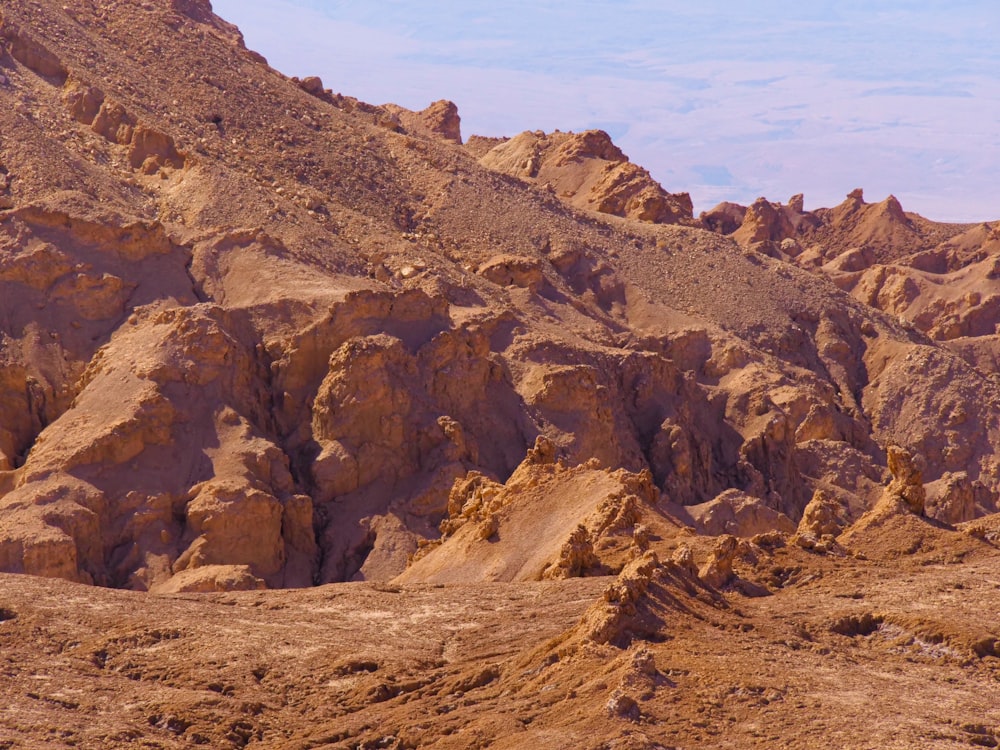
(735, 512)
(823, 516)
(954, 498)
(764, 222)
(907, 479)
(548, 521)
(322, 358)
(725, 218)
(589, 171)
(442, 118)
(718, 569)
(312, 85)
(466, 400)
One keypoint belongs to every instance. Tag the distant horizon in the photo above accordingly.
(727, 104)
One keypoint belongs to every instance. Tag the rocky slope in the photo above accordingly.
(257, 334)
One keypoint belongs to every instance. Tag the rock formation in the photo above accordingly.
(314, 356)
(822, 521)
(718, 569)
(907, 479)
(589, 171)
(257, 334)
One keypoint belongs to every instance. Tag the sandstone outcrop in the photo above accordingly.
(584, 469)
(589, 171)
(621, 616)
(823, 519)
(718, 568)
(547, 521)
(907, 479)
(824, 516)
(442, 118)
(737, 513)
(955, 498)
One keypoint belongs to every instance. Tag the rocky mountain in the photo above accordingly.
(260, 335)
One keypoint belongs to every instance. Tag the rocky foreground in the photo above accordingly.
(546, 459)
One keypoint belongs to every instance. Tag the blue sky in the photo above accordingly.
(726, 100)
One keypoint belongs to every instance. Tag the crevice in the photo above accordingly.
(36, 405)
(320, 521)
(197, 289)
(355, 558)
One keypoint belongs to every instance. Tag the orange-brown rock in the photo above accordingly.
(588, 519)
(907, 478)
(823, 516)
(465, 399)
(954, 498)
(442, 118)
(356, 329)
(718, 568)
(589, 171)
(312, 85)
(737, 513)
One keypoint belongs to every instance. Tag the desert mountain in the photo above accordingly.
(256, 334)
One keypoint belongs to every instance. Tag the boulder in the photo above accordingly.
(442, 118)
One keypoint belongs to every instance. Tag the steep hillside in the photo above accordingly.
(249, 322)
(256, 334)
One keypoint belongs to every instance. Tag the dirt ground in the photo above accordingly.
(854, 653)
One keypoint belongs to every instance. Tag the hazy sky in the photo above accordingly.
(724, 99)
